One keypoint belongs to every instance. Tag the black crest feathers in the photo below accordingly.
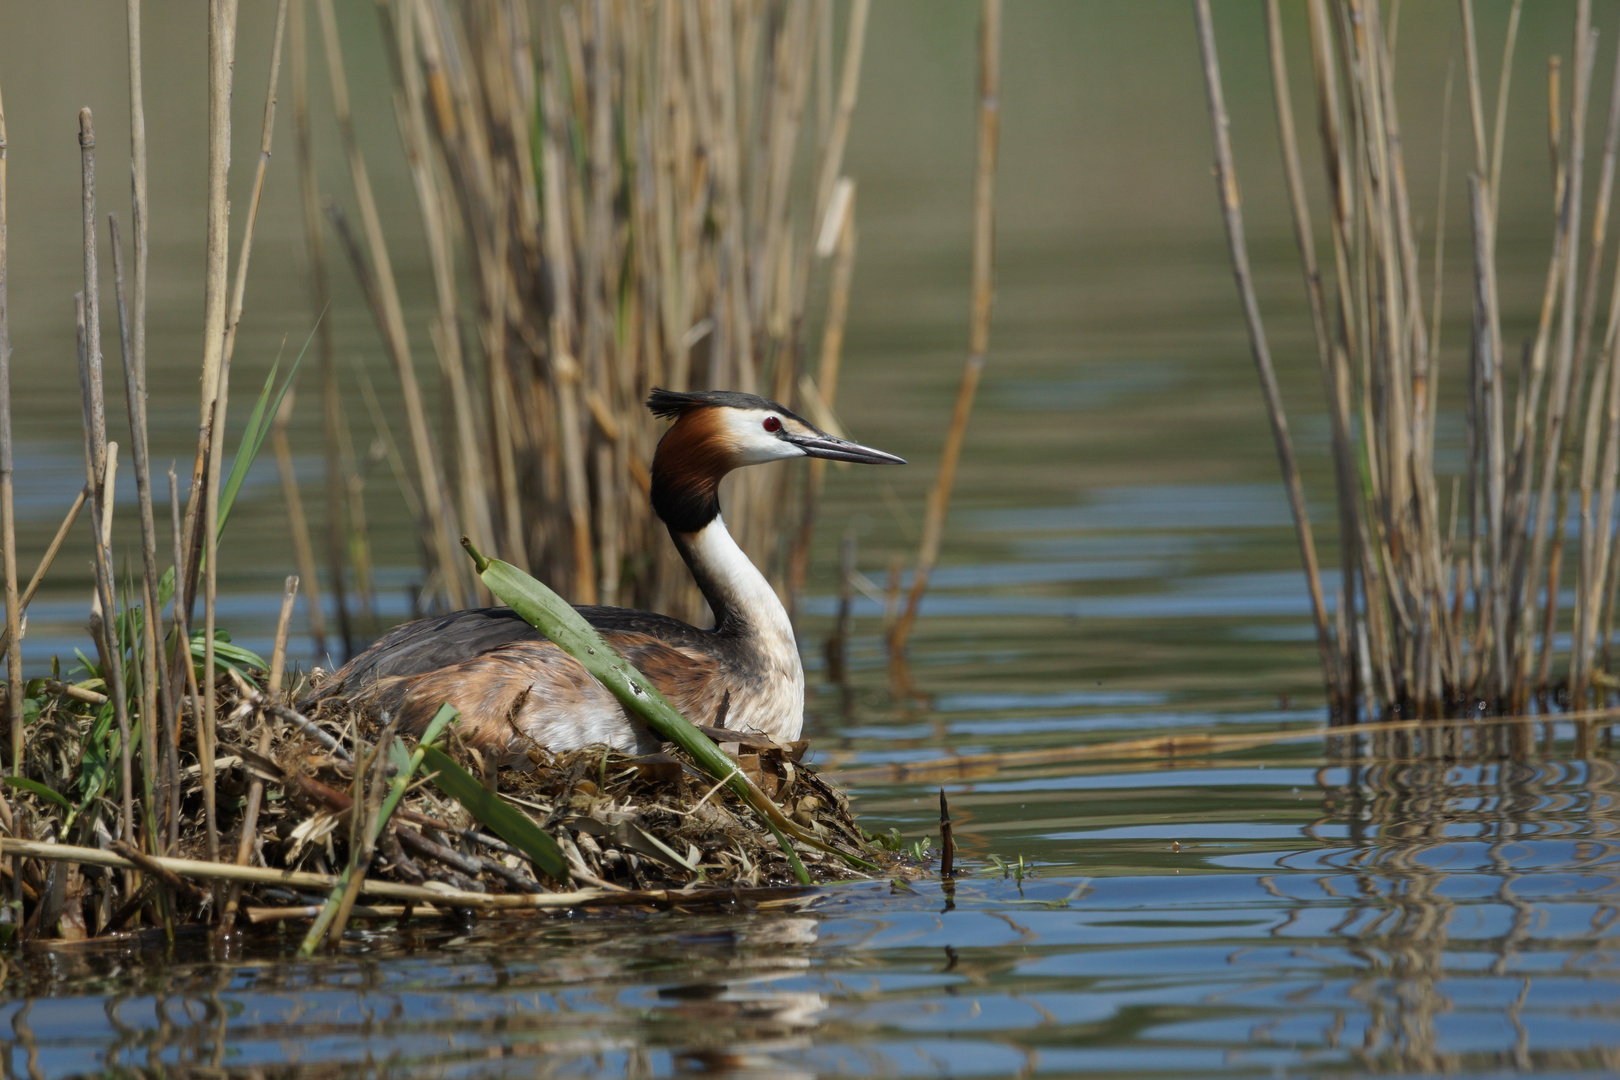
(672, 405)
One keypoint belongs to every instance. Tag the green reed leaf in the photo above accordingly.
(508, 822)
(22, 783)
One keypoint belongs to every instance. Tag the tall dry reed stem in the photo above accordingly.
(338, 455)
(451, 571)
(1565, 266)
(1594, 533)
(218, 356)
(1237, 242)
(266, 131)
(216, 376)
(45, 561)
(473, 496)
(8, 520)
(984, 235)
(146, 651)
(1446, 613)
(92, 384)
(297, 522)
(834, 221)
(633, 195)
(821, 394)
(185, 681)
(1335, 388)
(132, 323)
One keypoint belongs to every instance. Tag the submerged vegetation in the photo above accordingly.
(1450, 590)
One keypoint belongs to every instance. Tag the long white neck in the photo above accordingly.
(746, 609)
(735, 589)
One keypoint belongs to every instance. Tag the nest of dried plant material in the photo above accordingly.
(630, 825)
(641, 822)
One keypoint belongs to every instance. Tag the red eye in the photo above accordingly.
(772, 424)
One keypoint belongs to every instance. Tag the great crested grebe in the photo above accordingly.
(515, 689)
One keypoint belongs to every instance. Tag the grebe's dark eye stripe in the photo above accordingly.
(772, 424)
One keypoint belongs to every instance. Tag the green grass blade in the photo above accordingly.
(509, 823)
(22, 783)
(165, 588)
(258, 425)
(407, 768)
(247, 449)
(227, 657)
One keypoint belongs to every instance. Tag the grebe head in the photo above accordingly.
(716, 431)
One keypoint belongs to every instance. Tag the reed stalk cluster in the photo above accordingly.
(1450, 598)
(614, 196)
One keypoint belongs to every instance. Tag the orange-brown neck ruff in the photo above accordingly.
(692, 458)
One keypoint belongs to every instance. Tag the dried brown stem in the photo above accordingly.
(840, 222)
(184, 681)
(8, 519)
(338, 455)
(984, 226)
(92, 385)
(1476, 101)
(447, 563)
(208, 870)
(135, 372)
(48, 558)
(1335, 381)
(157, 672)
(297, 523)
(216, 457)
(146, 650)
(1503, 82)
(1232, 211)
(413, 895)
(1558, 400)
(147, 864)
(204, 507)
(239, 286)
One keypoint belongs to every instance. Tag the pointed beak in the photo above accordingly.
(835, 449)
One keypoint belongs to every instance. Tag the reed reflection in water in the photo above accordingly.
(1475, 893)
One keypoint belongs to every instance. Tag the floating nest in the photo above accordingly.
(650, 829)
(650, 821)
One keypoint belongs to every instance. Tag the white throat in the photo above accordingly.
(735, 585)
